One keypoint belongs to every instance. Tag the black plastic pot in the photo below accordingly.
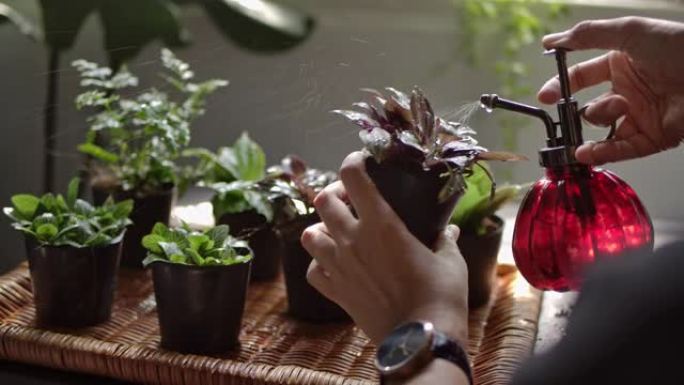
(200, 307)
(480, 253)
(304, 301)
(147, 210)
(262, 238)
(72, 287)
(413, 193)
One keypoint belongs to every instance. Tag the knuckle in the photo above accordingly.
(581, 28)
(351, 170)
(632, 23)
(322, 199)
(308, 236)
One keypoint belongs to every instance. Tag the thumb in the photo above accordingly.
(446, 242)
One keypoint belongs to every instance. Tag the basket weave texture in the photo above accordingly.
(275, 349)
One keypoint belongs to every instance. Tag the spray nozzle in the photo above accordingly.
(560, 150)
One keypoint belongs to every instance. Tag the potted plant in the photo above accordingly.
(298, 184)
(233, 174)
(73, 250)
(481, 231)
(417, 160)
(135, 142)
(200, 285)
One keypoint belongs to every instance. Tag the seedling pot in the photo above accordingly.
(72, 287)
(147, 210)
(480, 253)
(304, 301)
(413, 193)
(200, 307)
(262, 238)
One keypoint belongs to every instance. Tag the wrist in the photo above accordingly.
(448, 320)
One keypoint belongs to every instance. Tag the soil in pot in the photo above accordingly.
(263, 239)
(413, 193)
(480, 253)
(304, 301)
(200, 307)
(72, 287)
(148, 209)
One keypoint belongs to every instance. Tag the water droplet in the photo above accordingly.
(486, 108)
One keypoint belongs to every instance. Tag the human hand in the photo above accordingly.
(645, 68)
(375, 269)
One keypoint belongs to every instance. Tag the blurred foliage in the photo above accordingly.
(509, 26)
(129, 25)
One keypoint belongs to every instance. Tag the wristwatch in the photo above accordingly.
(411, 346)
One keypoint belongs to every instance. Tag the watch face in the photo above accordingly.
(402, 345)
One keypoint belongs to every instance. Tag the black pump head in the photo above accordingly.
(560, 151)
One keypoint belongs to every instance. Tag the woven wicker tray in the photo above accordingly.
(275, 349)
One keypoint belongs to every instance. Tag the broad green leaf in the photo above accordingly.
(478, 187)
(170, 248)
(178, 258)
(197, 241)
(83, 207)
(260, 202)
(72, 192)
(160, 229)
(264, 26)
(194, 255)
(229, 202)
(218, 234)
(152, 258)
(46, 231)
(25, 205)
(151, 242)
(123, 209)
(98, 153)
(250, 159)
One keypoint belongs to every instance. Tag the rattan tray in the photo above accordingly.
(275, 349)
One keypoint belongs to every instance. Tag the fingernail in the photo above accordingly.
(553, 39)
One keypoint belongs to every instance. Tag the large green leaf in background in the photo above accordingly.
(259, 25)
(62, 21)
(129, 25)
(9, 14)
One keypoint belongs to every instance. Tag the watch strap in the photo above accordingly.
(445, 348)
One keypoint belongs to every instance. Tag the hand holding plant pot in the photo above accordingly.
(73, 251)
(481, 231)
(200, 285)
(418, 161)
(135, 142)
(299, 185)
(240, 201)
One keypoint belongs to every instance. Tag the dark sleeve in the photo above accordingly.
(626, 328)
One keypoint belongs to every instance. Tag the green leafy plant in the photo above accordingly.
(213, 247)
(55, 220)
(509, 26)
(137, 141)
(481, 200)
(403, 129)
(232, 172)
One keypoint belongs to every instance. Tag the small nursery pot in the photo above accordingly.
(304, 301)
(413, 194)
(200, 307)
(72, 287)
(480, 253)
(147, 210)
(262, 238)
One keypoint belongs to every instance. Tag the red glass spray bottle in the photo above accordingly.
(576, 214)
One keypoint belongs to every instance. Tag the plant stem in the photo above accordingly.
(50, 120)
